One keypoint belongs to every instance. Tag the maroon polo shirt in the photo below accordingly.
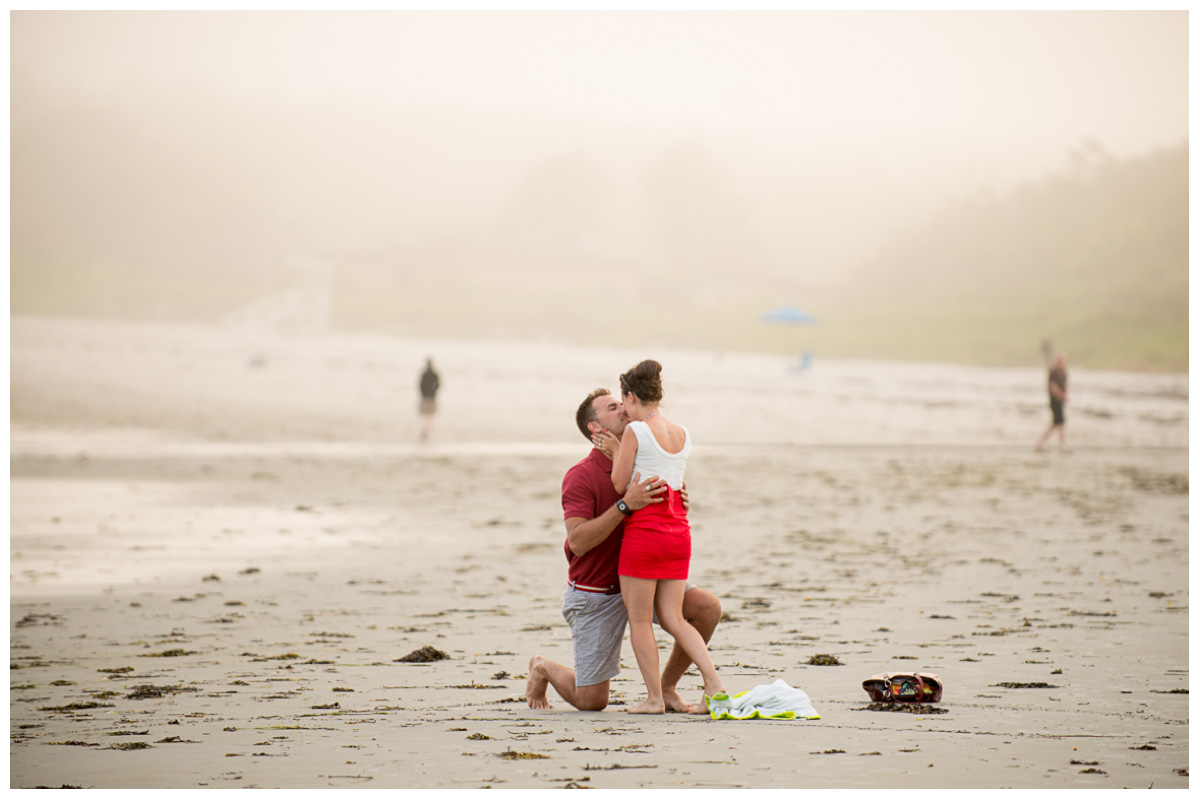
(587, 492)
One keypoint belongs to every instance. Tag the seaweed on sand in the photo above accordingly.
(514, 755)
(423, 655)
(1030, 685)
(825, 660)
(147, 691)
(76, 707)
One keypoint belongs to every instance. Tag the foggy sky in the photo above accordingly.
(1024, 82)
(826, 131)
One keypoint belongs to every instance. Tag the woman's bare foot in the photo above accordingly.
(648, 707)
(675, 703)
(535, 687)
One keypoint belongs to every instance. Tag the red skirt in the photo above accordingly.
(657, 543)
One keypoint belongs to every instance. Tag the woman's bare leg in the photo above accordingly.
(638, 595)
(668, 601)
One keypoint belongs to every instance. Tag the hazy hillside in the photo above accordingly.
(1094, 258)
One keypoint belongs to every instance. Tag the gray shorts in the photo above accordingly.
(597, 628)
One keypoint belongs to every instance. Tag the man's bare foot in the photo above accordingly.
(535, 687)
(675, 704)
(647, 707)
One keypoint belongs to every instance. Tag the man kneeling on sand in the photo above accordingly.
(595, 519)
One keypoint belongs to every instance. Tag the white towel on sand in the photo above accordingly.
(770, 701)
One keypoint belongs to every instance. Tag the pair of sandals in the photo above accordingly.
(904, 687)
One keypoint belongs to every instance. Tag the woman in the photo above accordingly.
(657, 545)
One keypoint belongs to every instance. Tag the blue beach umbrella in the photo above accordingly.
(790, 315)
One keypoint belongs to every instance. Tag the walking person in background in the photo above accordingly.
(429, 387)
(1057, 384)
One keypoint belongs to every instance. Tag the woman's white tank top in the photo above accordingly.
(651, 459)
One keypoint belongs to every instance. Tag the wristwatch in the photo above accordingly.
(624, 508)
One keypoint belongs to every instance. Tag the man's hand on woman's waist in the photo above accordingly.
(642, 493)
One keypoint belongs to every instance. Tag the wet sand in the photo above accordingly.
(214, 574)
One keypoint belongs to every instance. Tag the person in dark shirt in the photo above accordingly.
(1057, 386)
(429, 388)
(594, 514)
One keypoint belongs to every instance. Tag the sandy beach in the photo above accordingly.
(222, 546)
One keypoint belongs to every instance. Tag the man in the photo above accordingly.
(429, 387)
(595, 518)
(1057, 385)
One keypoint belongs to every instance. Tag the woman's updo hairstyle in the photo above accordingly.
(644, 381)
